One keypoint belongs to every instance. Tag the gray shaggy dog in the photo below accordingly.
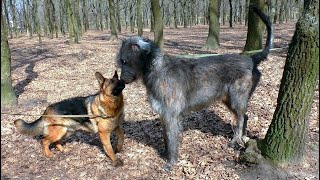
(178, 86)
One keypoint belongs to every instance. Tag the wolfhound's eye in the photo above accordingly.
(123, 62)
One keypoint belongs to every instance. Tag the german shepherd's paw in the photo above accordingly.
(117, 163)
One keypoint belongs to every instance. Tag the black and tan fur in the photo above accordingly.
(107, 103)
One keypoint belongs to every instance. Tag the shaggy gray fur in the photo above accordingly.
(178, 86)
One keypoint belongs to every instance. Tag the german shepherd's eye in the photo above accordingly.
(111, 81)
(123, 62)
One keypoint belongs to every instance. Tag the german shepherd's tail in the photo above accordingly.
(32, 129)
(260, 56)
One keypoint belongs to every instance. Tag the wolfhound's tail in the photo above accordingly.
(260, 56)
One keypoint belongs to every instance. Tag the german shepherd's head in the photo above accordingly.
(112, 86)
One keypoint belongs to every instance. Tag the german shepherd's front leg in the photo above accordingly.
(120, 135)
(105, 139)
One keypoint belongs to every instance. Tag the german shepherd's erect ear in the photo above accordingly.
(100, 79)
(116, 75)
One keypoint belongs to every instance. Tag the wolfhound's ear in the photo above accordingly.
(100, 79)
(144, 45)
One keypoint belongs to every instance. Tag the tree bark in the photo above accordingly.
(286, 137)
(214, 26)
(70, 20)
(158, 24)
(8, 96)
(118, 16)
(7, 16)
(14, 18)
(85, 16)
(36, 19)
(114, 34)
(230, 14)
(139, 17)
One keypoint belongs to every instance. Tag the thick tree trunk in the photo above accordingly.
(286, 137)
(114, 34)
(214, 27)
(158, 24)
(8, 96)
(255, 28)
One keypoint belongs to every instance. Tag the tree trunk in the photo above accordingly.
(6, 13)
(151, 21)
(275, 12)
(36, 19)
(62, 11)
(14, 19)
(85, 16)
(214, 27)
(247, 12)
(158, 25)
(76, 28)
(175, 14)
(139, 17)
(230, 14)
(28, 19)
(224, 12)
(8, 96)
(281, 12)
(118, 16)
(131, 18)
(114, 35)
(255, 27)
(70, 20)
(286, 137)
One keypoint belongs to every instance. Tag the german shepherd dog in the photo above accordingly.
(178, 86)
(106, 108)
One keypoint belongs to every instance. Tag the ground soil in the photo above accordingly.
(55, 70)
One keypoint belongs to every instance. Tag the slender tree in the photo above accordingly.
(70, 20)
(214, 27)
(255, 28)
(230, 14)
(247, 11)
(158, 24)
(114, 34)
(276, 12)
(14, 18)
(118, 16)
(76, 21)
(36, 19)
(62, 11)
(85, 18)
(286, 137)
(28, 20)
(8, 96)
(6, 13)
(139, 17)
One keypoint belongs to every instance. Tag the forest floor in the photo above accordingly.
(55, 70)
